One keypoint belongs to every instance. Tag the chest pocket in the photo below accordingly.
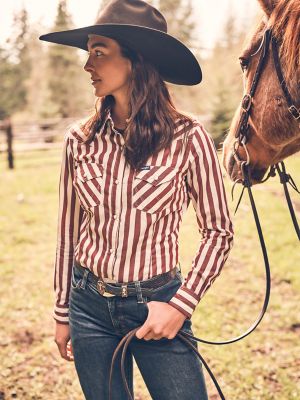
(153, 190)
(88, 180)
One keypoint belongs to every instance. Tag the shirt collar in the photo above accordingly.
(107, 121)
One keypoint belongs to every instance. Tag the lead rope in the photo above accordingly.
(125, 343)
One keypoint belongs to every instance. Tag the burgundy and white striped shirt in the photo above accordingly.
(123, 223)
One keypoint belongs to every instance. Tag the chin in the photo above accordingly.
(257, 174)
(100, 93)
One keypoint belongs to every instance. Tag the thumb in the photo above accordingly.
(144, 329)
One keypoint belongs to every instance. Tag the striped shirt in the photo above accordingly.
(123, 223)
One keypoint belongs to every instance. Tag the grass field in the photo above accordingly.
(264, 366)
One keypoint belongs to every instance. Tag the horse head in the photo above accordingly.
(269, 124)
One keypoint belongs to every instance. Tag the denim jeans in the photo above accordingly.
(170, 369)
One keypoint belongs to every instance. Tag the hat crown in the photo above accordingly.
(132, 12)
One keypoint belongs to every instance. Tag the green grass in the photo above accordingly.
(265, 365)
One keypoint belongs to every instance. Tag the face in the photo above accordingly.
(110, 71)
(272, 132)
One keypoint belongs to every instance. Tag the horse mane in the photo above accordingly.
(285, 24)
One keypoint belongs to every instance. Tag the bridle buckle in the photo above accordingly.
(295, 113)
(247, 102)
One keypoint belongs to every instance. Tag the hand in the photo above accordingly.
(62, 339)
(163, 321)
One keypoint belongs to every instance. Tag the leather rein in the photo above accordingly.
(242, 137)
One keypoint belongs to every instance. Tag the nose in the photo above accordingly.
(88, 67)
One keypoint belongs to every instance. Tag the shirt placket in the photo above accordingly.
(117, 212)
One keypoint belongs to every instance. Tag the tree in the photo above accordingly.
(7, 83)
(65, 72)
(15, 67)
(178, 14)
(38, 104)
(222, 112)
(225, 79)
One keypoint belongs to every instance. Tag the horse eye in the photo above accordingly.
(244, 63)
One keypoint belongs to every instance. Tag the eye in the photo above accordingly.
(98, 53)
(244, 63)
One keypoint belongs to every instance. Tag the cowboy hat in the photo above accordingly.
(144, 29)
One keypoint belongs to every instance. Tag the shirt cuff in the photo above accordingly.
(185, 301)
(61, 314)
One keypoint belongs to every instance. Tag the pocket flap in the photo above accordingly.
(86, 171)
(157, 174)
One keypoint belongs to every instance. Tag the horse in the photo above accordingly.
(265, 127)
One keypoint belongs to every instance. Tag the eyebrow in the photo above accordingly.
(99, 44)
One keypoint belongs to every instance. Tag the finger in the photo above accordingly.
(152, 337)
(70, 351)
(69, 347)
(142, 331)
(62, 347)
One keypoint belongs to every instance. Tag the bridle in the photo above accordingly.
(243, 131)
(242, 137)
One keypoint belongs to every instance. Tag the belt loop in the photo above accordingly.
(138, 292)
(84, 279)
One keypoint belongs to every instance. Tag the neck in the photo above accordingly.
(120, 113)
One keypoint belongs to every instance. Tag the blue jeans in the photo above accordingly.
(170, 369)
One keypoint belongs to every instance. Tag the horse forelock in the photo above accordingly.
(285, 24)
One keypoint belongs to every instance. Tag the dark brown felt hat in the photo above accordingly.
(144, 29)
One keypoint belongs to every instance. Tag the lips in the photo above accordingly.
(95, 79)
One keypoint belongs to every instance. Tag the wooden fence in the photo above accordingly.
(16, 137)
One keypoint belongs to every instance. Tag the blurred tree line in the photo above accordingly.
(44, 81)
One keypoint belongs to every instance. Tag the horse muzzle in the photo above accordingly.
(234, 166)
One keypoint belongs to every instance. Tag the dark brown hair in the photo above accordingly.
(152, 120)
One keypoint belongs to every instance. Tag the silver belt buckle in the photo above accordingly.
(101, 289)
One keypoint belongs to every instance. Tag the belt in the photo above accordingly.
(127, 289)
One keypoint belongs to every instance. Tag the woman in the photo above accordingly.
(128, 174)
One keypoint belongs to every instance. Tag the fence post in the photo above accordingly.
(9, 139)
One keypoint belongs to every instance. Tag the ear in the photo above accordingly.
(267, 6)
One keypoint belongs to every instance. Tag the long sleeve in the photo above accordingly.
(206, 190)
(69, 216)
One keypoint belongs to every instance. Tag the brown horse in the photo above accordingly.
(273, 132)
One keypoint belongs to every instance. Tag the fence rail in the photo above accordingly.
(17, 137)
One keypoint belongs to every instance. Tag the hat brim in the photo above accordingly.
(174, 61)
